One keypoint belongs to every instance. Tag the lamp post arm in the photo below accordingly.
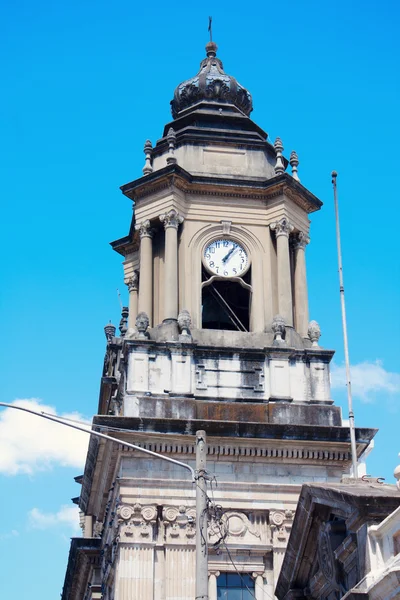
(102, 435)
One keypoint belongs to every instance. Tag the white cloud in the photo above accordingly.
(29, 443)
(10, 534)
(367, 380)
(67, 515)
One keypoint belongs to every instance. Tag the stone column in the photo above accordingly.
(212, 585)
(133, 286)
(146, 270)
(300, 284)
(282, 230)
(259, 586)
(171, 221)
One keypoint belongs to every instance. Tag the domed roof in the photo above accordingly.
(211, 84)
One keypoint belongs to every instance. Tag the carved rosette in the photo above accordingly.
(300, 241)
(171, 219)
(180, 523)
(136, 523)
(133, 282)
(145, 229)
(282, 227)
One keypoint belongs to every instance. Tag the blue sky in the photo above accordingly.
(84, 85)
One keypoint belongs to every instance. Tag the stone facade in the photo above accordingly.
(258, 384)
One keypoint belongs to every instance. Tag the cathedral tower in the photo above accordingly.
(217, 337)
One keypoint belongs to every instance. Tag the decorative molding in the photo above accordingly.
(171, 219)
(133, 282)
(282, 227)
(180, 523)
(145, 229)
(271, 451)
(300, 240)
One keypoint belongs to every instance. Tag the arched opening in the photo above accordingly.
(226, 303)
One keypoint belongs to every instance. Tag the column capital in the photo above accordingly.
(133, 282)
(145, 229)
(215, 573)
(171, 219)
(300, 240)
(282, 227)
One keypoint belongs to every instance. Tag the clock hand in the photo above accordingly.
(231, 251)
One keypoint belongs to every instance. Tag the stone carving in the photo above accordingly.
(142, 324)
(282, 227)
(133, 282)
(109, 330)
(279, 166)
(280, 524)
(136, 522)
(300, 240)
(171, 139)
(180, 522)
(145, 229)
(237, 525)
(294, 163)
(314, 332)
(278, 328)
(147, 169)
(326, 557)
(171, 219)
(217, 89)
(184, 322)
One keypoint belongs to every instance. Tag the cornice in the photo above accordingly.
(175, 176)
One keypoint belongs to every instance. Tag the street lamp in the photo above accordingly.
(198, 477)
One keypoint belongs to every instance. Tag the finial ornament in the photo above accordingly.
(123, 324)
(109, 330)
(279, 166)
(133, 282)
(282, 227)
(184, 322)
(142, 324)
(171, 139)
(300, 240)
(294, 163)
(314, 332)
(147, 169)
(171, 219)
(278, 328)
(145, 229)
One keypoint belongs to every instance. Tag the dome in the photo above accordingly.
(211, 84)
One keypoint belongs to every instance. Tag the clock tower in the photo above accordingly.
(217, 338)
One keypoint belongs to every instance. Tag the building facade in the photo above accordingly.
(217, 338)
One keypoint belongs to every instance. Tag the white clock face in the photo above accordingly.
(226, 258)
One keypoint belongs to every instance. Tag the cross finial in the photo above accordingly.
(210, 27)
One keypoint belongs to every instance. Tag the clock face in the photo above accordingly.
(226, 258)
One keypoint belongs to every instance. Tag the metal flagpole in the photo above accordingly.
(345, 339)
